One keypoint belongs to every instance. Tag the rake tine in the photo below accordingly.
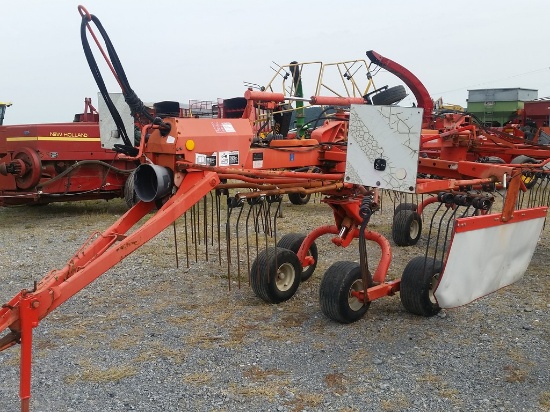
(196, 226)
(247, 241)
(265, 223)
(237, 235)
(228, 239)
(451, 220)
(205, 225)
(198, 221)
(192, 219)
(218, 222)
(211, 218)
(547, 201)
(279, 207)
(431, 226)
(269, 228)
(438, 236)
(176, 245)
(186, 238)
(540, 191)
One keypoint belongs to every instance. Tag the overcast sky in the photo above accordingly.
(182, 50)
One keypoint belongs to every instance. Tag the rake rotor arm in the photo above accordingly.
(26, 309)
(265, 175)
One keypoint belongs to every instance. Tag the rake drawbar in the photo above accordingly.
(101, 252)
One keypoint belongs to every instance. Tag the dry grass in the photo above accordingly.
(397, 403)
(514, 374)
(429, 378)
(157, 350)
(92, 373)
(128, 340)
(257, 374)
(275, 388)
(303, 401)
(442, 387)
(336, 382)
(544, 400)
(197, 379)
(240, 334)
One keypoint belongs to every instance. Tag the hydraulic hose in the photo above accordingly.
(137, 107)
(83, 163)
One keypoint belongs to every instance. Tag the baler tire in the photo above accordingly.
(335, 298)
(293, 241)
(419, 279)
(130, 196)
(389, 96)
(405, 206)
(274, 275)
(529, 178)
(299, 198)
(406, 228)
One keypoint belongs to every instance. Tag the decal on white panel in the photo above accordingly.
(223, 127)
(229, 158)
(383, 143)
(204, 159)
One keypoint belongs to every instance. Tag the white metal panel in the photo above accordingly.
(384, 134)
(108, 132)
(484, 260)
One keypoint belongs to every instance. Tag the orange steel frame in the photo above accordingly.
(104, 250)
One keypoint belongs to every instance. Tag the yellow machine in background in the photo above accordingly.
(3, 106)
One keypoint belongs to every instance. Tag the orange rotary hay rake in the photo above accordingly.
(226, 177)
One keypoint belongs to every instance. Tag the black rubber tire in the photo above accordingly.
(293, 241)
(417, 284)
(407, 227)
(405, 206)
(523, 159)
(130, 196)
(299, 198)
(494, 160)
(334, 292)
(266, 271)
(234, 108)
(390, 96)
(529, 178)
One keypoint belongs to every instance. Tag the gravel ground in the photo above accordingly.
(148, 336)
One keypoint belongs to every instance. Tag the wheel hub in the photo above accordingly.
(433, 283)
(285, 277)
(353, 302)
(414, 229)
